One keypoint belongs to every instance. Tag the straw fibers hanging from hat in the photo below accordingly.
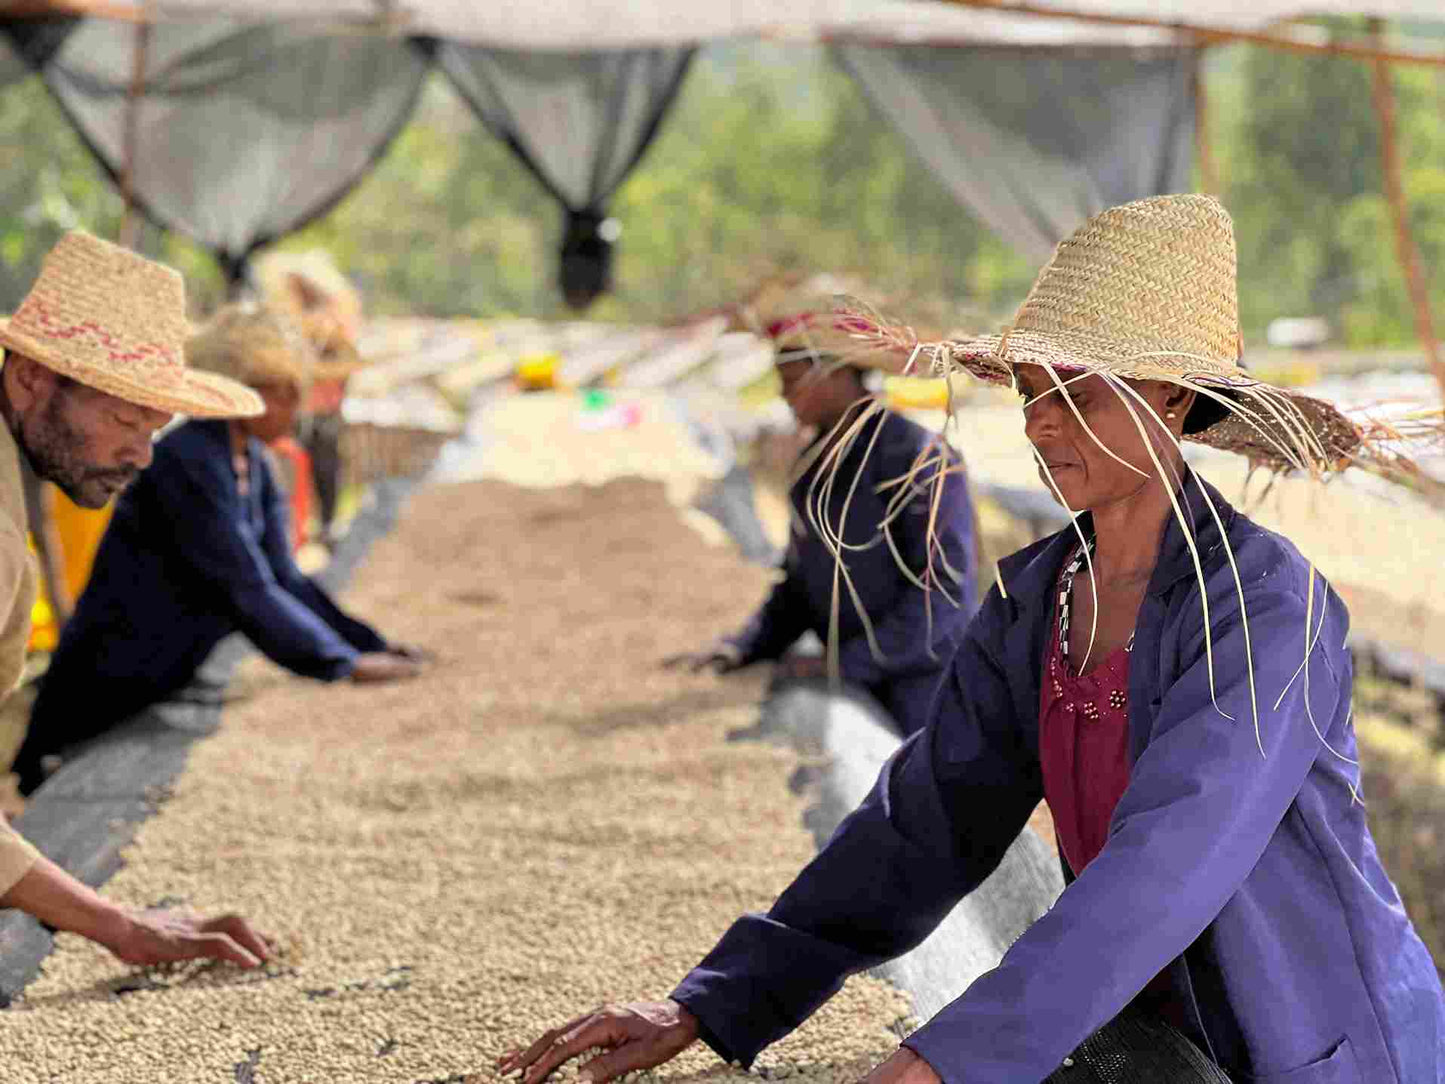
(1146, 291)
(115, 321)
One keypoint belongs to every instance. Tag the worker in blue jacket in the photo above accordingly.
(1224, 886)
(892, 635)
(198, 548)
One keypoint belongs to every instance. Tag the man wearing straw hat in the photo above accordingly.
(1174, 680)
(891, 637)
(93, 368)
(166, 589)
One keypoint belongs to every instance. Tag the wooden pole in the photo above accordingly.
(1203, 146)
(1393, 179)
(130, 222)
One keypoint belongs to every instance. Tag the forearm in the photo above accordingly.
(58, 900)
(358, 634)
(888, 876)
(771, 630)
(291, 634)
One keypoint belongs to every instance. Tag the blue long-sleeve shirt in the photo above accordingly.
(1239, 861)
(186, 561)
(915, 630)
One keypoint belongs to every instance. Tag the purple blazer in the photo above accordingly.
(1250, 875)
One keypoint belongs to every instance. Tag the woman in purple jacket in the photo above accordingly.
(1173, 679)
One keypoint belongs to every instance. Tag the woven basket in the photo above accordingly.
(371, 453)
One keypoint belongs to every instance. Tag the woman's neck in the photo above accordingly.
(1129, 530)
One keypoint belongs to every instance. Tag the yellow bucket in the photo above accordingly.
(917, 392)
(537, 372)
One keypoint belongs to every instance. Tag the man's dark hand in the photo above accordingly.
(721, 658)
(634, 1037)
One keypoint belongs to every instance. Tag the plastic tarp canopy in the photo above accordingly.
(597, 24)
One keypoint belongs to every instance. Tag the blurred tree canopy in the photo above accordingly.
(771, 160)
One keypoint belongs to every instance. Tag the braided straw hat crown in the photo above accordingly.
(254, 346)
(1148, 291)
(115, 321)
(1110, 296)
(1144, 291)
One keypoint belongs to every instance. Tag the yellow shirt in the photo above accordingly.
(18, 582)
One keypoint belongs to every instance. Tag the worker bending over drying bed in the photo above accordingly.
(893, 638)
(198, 549)
(1174, 680)
(93, 368)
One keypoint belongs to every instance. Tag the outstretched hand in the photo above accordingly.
(634, 1037)
(160, 937)
(903, 1067)
(721, 658)
(379, 667)
(419, 655)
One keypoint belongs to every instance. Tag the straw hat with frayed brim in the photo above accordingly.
(1146, 291)
(253, 346)
(116, 322)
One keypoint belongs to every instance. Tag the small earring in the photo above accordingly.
(1169, 414)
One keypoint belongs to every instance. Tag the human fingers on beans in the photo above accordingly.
(641, 1035)
(241, 932)
(519, 1057)
(173, 937)
(649, 1048)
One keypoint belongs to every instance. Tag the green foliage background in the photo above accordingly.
(772, 160)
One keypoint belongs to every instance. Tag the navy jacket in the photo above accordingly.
(1238, 860)
(916, 630)
(185, 562)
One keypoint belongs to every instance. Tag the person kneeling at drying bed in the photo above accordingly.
(844, 488)
(93, 368)
(197, 550)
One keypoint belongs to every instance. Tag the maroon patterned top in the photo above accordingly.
(1084, 748)
(1084, 751)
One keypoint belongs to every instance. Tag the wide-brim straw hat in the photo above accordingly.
(252, 345)
(1145, 291)
(115, 321)
(794, 337)
(340, 362)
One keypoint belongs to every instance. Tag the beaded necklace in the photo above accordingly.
(1066, 594)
